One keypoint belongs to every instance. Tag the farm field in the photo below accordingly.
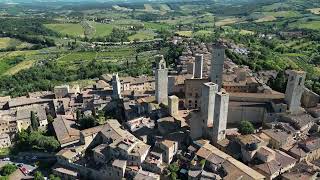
(102, 29)
(184, 33)
(266, 19)
(164, 7)
(148, 8)
(142, 35)
(275, 6)
(282, 14)
(246, 32)
(67, 29)
(313, 25)
(227, 21)
(12, 42)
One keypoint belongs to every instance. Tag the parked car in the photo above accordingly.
(24, 170)
(6, 159)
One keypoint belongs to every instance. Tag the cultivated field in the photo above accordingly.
(313, 25)
(227, 21)
(67, 29)
(142, 35)
(184, 33)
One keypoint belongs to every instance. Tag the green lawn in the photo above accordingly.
(67, 29)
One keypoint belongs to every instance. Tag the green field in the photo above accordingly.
(12, 42)
(142, 35)
(275, 6)
(157, 26)
(246, 32)
(73, 59)
(102, 29)
(313, 25)
(148, 7)
(67, 29)
(164, 7)
(184, 33)
(9, 65)
(202, 33)
(228, 21)
(4, 42)
(282, 14)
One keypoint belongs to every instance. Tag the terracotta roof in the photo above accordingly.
(281, 161)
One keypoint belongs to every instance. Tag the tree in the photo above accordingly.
(246, 127)
(78, 115)
(87, 122)
(34, 121)
(50, 119)
(279, 84)
(53, 177)
(38, 176)
(173, 168)
(8, 169)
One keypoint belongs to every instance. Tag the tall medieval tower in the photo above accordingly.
(217, 62)
(161, 80)
(294, 90)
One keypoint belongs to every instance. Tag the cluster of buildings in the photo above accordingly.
(188, 116)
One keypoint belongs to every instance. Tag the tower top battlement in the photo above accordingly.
(161, 63)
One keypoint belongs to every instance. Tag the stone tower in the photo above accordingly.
(190, 68)
(173, 105)
(217, 62)
(198, 69)
(220, 116)
(116, 86)
(294, 90)
(161, 80)
(208, 103)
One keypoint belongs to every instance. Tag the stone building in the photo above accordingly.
(61, 91)
(220, 116)
(5, 141)
(309, 99)
(116, 86)
(294, 90)
(193, 92)
(161, 80)
(173, 106)
(208, 95)
(169, 148)
(217, 63)
(198, 69)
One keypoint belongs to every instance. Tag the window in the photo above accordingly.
(300, 81)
